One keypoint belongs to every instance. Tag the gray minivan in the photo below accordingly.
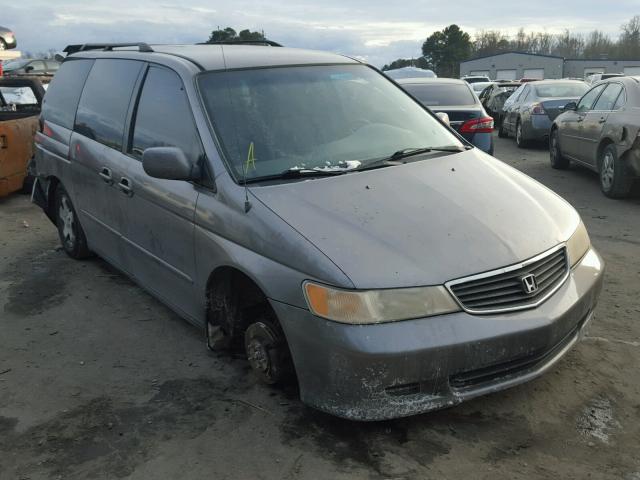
(300, 206)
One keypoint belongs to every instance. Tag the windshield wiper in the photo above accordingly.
(394, 158)
(300, 172)
(409, 152)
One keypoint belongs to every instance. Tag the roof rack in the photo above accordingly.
(267, 43)
(107, 47)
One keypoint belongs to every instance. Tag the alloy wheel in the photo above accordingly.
(607, 172)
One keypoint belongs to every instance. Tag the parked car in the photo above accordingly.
(476, 79)
(455, 98)
(301, 206)
(597, 77)
(411, 72)
(534, 107)
(31, 67)
(494, 96)
(601, 131)
(7, 39)
(479, 87)
(20, 102)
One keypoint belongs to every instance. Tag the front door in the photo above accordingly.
(594, 123)
(571, 128)
(159, 225)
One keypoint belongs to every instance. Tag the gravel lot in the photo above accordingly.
(100, 380)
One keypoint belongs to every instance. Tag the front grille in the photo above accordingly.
(505, 289)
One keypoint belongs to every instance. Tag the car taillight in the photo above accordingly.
(478, 125)
(537, 109)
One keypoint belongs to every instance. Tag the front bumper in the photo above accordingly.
(377, 372)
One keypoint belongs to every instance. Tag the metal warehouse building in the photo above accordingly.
(515, 65)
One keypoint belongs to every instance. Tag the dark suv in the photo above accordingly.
(301, 207)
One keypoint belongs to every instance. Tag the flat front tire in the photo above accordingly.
(614, 181)
(70, 231)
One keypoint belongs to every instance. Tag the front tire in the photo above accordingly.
(70, 231)
(558, 161)
(520, 141)
(502, 133)
(614, 181)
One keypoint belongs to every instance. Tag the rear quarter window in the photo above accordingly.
(61, 100)
(105, 100)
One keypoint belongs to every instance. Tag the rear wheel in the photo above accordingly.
(520, 141)
(555, 154)
(614, 181)
(70, 231)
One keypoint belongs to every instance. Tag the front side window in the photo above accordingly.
(276, 119)
(105, 99)
(589, 98)
(621, 100)
(608, 98)
(163, 117)
(36, 66)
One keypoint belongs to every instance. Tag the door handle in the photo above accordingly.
(105, 174)
(602, 120)
(125, 186)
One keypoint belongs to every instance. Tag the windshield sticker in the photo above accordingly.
(251, 159)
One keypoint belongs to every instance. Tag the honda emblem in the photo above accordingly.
(529, 283)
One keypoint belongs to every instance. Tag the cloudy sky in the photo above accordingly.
(379, 31)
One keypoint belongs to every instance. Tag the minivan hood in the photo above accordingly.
(425, 222)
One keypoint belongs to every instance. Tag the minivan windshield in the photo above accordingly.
(330, 117)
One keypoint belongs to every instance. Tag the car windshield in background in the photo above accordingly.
(561, 90)
(14, 65)
(314, 117)
(441, 94)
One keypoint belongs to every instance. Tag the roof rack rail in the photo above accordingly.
(107, 47)
(268, 43)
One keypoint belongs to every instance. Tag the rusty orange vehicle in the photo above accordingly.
(20, 104)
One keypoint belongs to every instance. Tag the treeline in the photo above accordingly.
(444, 50)
(595, 44)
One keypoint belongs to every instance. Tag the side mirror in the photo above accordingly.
(570, 106)
(443, 117)
(169, 163)
(28, 68)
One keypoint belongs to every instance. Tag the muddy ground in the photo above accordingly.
(99, 380)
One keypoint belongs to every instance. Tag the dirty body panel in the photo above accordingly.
(376, 372)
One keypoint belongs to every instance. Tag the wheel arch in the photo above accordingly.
(604, 142)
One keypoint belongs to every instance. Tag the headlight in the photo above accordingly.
(578, 244)
(377, 306)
